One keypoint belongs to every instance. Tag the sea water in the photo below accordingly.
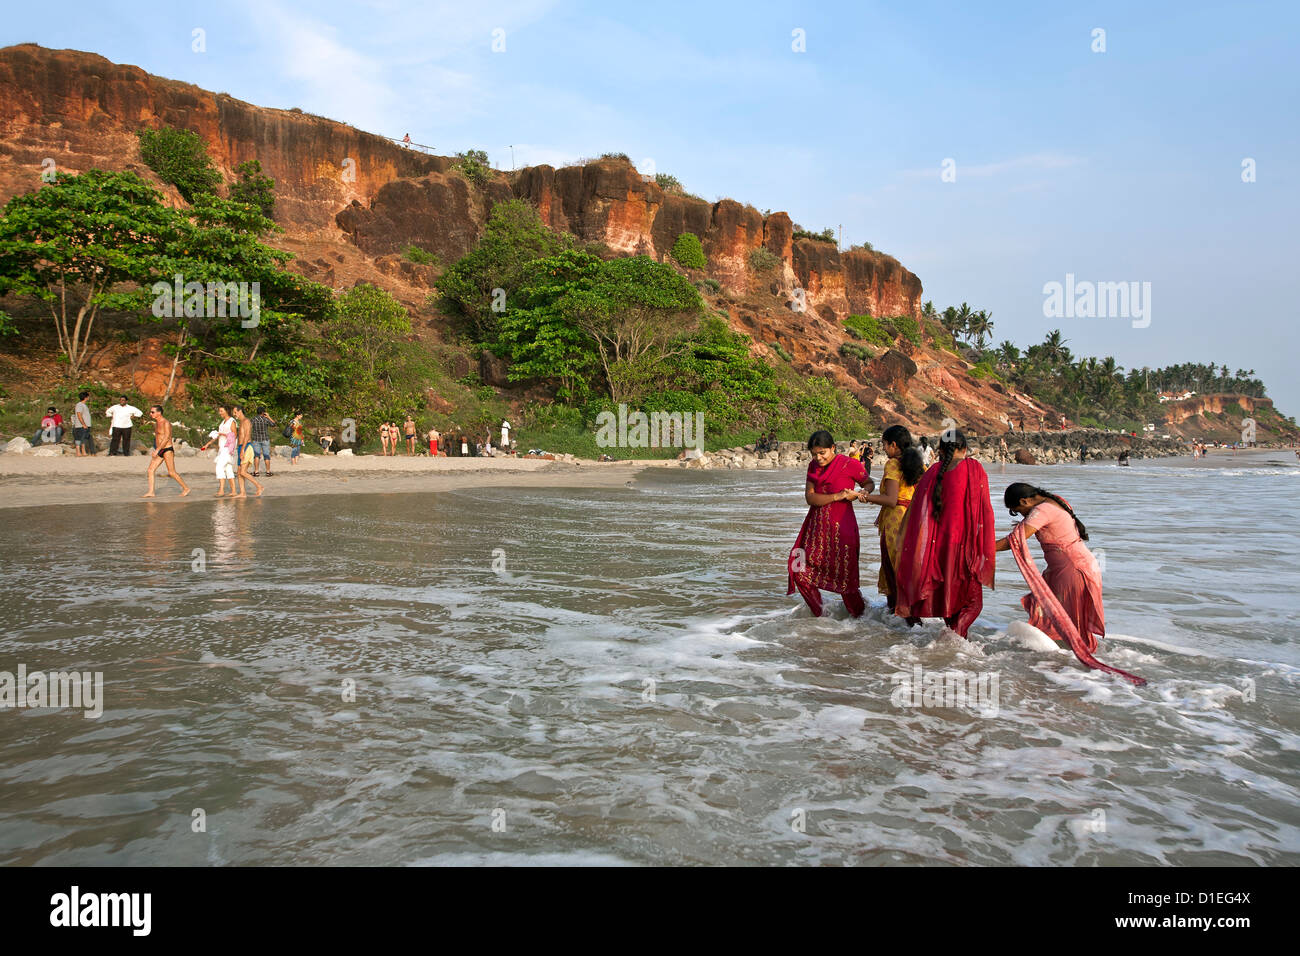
(601, 676)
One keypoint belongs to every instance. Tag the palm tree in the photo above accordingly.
(928, 312)
(1054, 350)
(1008, 355)
(964, 316)
(980, 327)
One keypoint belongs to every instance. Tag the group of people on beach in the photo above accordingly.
(938, 542)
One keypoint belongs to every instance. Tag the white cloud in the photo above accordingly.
(1019, 164)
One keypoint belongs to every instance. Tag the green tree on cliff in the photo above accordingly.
(179, 157)
(688, 252)
(254, 188)
(513, 237)
(75, 242)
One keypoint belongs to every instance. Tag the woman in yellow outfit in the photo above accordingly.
(903, 470)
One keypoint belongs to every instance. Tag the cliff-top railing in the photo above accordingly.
(409, 145)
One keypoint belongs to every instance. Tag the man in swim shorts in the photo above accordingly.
(162, 451)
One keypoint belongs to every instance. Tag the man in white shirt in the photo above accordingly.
(505, 435)
(122, 415)
(81, 426)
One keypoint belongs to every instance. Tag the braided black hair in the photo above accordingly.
(949, 442)
(1020, 490)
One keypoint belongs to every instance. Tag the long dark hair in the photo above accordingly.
(909, 459)
(1015, 492)
(949, 442)
(820, 439)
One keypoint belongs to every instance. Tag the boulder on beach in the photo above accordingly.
(17, 446)
(48, 451)
(1025, 457)
(345, 452)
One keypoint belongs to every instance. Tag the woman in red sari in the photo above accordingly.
(947, 555)
(1065, 603)
(826, 552)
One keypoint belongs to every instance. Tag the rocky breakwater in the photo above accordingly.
(1042, 448)
(1062, 447)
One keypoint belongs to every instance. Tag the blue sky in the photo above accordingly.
(1124, 165)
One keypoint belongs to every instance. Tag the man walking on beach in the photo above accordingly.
(162, 451)
(244, 452)
(122, 415)
(81, 425)
(261, 439)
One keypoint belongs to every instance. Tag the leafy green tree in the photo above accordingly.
(366, 329)
(513, 237)
(254, 188)
(634, 306)
(473, 165)
(74, 242)
(179, 157)
(688, 252)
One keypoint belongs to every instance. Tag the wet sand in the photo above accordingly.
(27, 481)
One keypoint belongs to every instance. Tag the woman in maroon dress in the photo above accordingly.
(826, 552)
(947, 555)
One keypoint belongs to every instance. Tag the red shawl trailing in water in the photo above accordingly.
(945, 563)
(826, 553)
(1052, 618)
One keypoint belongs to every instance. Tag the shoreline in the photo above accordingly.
(28, 481)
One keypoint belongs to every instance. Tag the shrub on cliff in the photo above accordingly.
(253, 188)
(875, 331)
(669, 183)
(473, 165)
(907, 327)
(421, 257)
(826, 235)
(179, 157)
(688, 252)
(763, 259)
(853, 350)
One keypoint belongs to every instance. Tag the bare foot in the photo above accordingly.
(185, 492)
(240, 495)
(149, 495)
(259, 492)
(220, 494)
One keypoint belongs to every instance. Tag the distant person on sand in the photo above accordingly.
(505, 433)
(854, 451)
(946, 558)
(245, 453)
(51, 430)
(927, 453)
(464, 445)
(295, 439)
(903, 470)
(1083, 454)
(1065, 603)
(433, 442)
(262, 423)
(409, 428)
(162, 451)
(226, 436)
(383, 437)
(121, 415)
(326, 439)
(825, 555)
(81, 424)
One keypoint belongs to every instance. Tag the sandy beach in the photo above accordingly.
(28, 481)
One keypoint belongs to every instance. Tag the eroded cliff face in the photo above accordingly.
(80, 111)
(351, 202)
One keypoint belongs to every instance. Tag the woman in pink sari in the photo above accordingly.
(1065, 603)
(826, 552)
(947, 558)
